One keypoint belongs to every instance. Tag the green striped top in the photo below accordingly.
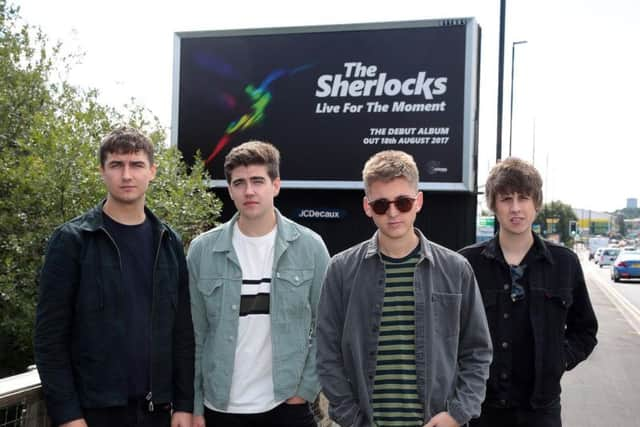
(395, 392)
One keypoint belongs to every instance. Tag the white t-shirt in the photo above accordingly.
(252, 380)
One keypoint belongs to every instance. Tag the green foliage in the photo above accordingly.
(49, 137)
(629, 213)
(564, 213)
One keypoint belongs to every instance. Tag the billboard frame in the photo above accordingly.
(470, 114)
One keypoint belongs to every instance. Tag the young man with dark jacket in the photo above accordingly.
(540, 316)
(402, 336)
(113, 336)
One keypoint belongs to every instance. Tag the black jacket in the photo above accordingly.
(80, 328)
(562, 318)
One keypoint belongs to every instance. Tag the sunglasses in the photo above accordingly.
(403, 204)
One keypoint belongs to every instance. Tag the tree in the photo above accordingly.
(561, 215)
(622, 227)
(49, 137)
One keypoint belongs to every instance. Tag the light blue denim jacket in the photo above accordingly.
(215, 279)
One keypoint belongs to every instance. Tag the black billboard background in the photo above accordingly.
(319, 147)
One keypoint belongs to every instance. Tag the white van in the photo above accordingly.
(608, 256)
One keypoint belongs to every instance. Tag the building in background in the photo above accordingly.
(632, 203)
(593, 223)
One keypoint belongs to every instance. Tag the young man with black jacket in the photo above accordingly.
(114, 339)
(540, 316)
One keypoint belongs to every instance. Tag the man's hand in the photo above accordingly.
(198, 421)
(181, 419)
(443, 419)
(295, 400)
(75, 423)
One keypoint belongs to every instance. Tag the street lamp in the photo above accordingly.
(513, 55)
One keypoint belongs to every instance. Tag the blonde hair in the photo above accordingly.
(388, 165)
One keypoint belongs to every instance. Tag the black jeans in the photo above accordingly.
(518, 417)
(132, 415)
(283, 415)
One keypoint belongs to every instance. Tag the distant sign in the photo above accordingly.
(485, 228)
(330, 97)
(320, 213)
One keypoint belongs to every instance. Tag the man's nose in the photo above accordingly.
(249, 189)
(393, 210)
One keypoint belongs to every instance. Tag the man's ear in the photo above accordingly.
(419, 201)
(365, 206)
(276, 186)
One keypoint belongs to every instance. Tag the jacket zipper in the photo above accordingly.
(149, 396)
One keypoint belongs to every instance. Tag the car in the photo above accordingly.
(596, 255)
(608, 256)
(626, 266)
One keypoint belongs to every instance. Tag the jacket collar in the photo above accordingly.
(372, 248)
(492, 248)
(286, 232)
(93, 220)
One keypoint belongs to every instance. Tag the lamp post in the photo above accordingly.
(513, 55)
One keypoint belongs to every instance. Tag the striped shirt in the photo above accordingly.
(395, 392)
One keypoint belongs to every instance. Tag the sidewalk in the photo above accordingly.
(604, 391)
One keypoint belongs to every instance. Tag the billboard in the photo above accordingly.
(329, 97)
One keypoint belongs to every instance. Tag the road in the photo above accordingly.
(605, 389)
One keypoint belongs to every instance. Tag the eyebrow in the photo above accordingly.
(122, 162)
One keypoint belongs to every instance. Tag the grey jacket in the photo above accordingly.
(453, 346)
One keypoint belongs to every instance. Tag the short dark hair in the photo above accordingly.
(253, 153)
(513, 175)
(125, 140)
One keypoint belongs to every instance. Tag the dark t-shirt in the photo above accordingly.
(135, 246)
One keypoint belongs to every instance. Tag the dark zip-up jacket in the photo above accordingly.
(562, 318)
(80, 325)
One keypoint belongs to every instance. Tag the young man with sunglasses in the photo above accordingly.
(541, 320)
(402, 336)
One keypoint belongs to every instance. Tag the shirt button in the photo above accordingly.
(506, 315)
(374, 329)
(504, 376)
(372, 353)
(503, 402)
(506, 287)
(505, 345)
(234, 307)
(297, 279)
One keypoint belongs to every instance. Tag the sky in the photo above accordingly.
(576, 86)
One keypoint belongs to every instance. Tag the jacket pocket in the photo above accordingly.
(211, 290)
(446, 313)
(292, 290)
(557, 303)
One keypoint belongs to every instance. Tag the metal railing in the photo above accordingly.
(21, 403)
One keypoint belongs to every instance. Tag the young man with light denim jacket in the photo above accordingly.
(402, 335)
(255, 283)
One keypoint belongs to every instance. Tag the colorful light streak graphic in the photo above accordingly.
(260, 97)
